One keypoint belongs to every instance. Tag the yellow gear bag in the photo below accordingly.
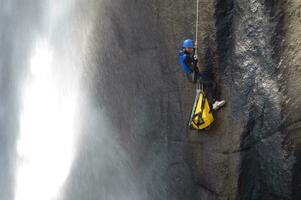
(201, 115)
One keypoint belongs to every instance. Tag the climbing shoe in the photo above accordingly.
(218, 104)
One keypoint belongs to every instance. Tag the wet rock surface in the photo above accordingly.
(136, 144)
(248, 154)
(251, 152)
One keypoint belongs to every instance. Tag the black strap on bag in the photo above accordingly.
(200, 120)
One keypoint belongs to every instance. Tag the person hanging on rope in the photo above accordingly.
(188, 61)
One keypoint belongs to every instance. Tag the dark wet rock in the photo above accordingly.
(252, 151)
(141, 100)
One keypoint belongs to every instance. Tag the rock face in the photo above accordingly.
(253, 48)
(265, 164)
(291, 71)
(136, 145)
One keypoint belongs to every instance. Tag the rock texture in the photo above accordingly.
(291, 71)
(253, 48)
(135, 143)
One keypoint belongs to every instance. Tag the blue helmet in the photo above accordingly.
(188, 43)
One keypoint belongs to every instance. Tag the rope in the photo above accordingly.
(197, 26)
(199, 85)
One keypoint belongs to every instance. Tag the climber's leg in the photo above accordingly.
(211, 90)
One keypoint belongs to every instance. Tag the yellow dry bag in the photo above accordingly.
(201, 115)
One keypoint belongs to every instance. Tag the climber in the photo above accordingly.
(188, 61)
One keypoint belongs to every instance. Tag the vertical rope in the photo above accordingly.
(199, 85)
(197, 26)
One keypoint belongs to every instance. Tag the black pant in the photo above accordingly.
(206, 80)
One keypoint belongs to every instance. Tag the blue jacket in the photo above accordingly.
(187, 62)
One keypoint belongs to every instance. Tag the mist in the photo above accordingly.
(52, 131)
